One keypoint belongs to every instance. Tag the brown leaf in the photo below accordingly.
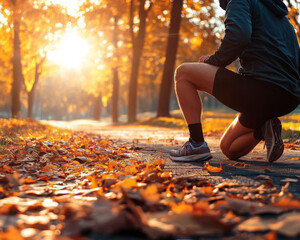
(213, 169)
(9, 209)
(262, 177)
(159, 162)
(289, 180)
(255, 224)
(163, 223)
(248, 207)
(287, 224)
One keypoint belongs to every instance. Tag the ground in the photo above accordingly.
(98, 181)
(151, 142)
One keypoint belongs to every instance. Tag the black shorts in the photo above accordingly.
(256, 100)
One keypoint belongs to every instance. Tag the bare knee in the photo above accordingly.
(225, 148)
(180, 72)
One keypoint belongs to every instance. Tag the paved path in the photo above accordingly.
(250, 171)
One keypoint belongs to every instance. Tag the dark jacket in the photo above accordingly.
(260, 35)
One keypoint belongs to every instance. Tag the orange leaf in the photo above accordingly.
(182, 207)
(93, 181)
(257, 157)
(287, 203)
(151, 194)
(6, 168)
(159, 161)
(213, 169)
(167, 174)
(45, 169)
(128, 183)
(30, 180)
(44, 178)
(131, 169)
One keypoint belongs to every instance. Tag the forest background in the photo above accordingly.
(74, 59)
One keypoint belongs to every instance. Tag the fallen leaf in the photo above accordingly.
(287, 224)
(150, 194)
(11, 233)
(213, 169)
(262, 177)
(257, 157)
(159, 161)
(270, 236)
(289, 180)
(249, 207)
(183, 224)
(255, 224)
(225, 185)
(287, 203)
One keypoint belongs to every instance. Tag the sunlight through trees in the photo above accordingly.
(110, 58)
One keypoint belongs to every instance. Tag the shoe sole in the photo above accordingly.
(192, 158)
(277, 146)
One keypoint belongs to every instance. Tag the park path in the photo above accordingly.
(152, 142)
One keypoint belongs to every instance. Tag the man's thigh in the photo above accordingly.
(201, 75)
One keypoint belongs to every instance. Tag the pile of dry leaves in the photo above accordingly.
(56, 184)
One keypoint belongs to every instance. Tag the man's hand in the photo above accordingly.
(201, 59)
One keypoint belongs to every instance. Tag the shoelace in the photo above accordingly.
(184, 148)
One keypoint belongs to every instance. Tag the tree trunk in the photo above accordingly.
(172, 44)
(30, 94)
(137, 45)
(97, 107)
(116, 82)
(115, 96)
(17, 74)
(132, 101)
(30, 100)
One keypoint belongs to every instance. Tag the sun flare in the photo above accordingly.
(70, 51)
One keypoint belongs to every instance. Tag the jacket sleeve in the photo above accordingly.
(299, 61)
(238, 29)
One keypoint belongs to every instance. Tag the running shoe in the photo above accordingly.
(191, 151)
(272, 137)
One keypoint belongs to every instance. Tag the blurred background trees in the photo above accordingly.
(71, 59)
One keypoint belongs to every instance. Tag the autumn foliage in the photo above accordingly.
(71, 184)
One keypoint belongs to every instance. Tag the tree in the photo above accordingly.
(6, 48)
(17, 66)
(103, 25)
(167, 78)
(137, 50)
(32, 25)
(116, 82)
(43, 24)
(198, 36)
(293, 7)
(31, 92)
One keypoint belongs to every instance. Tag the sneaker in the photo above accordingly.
(272, 137)
(191, 151)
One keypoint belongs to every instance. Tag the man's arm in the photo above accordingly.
(238, 29)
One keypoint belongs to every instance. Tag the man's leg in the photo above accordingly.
(237, 141)
(190, 77)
